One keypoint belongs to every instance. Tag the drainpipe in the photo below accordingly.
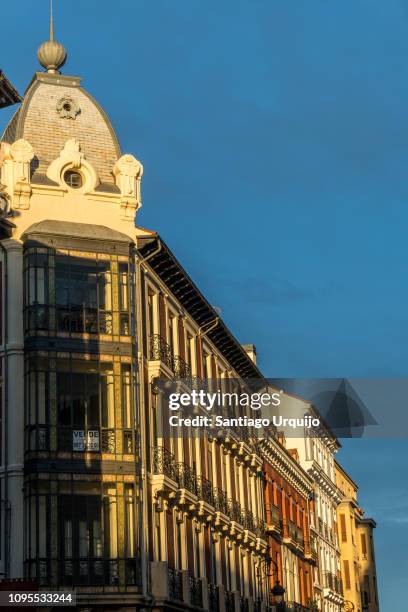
(7, 512)
(142, 403)
(207, 327)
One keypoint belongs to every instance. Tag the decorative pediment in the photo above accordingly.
(72, 158)
(128, 172)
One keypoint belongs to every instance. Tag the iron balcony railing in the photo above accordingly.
(221, 501)
(160, 350)
(196, 592)
(86, 571)
(273, 516)
(229, 601)
(290, 530)
(213, 604)
(205, 490)
(293, 606)
(333, 582)
(163, 462)
(175, 584)
(311, 547)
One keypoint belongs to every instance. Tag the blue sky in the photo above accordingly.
(274, 136)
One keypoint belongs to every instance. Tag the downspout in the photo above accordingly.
(7, 513)
(202, 332)
(144, 471)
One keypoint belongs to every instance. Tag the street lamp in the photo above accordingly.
(277, 591)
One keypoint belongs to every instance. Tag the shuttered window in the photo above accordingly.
(343, 528)
(346, 574)
(363, 546)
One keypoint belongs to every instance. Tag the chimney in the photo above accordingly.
(250, 350)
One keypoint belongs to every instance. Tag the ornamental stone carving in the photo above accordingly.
(15, 162)
(68, 108)
(72, 158)
(128, 172)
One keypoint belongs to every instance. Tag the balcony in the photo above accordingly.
(311, 549)
(213, 598)
(160, 350)
(196, 592)
(175, 584)
(293, 606)
(292, 534)
(333, 583)
(185, 479)
(273, 519)
(184, 591)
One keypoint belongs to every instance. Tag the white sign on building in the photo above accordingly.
(85, 440)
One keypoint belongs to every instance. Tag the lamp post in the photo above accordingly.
(277, 592)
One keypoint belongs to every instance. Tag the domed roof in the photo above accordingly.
(55, 109)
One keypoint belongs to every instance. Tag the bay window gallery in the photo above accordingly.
(76, 405)
(72, 294)
(82, 532)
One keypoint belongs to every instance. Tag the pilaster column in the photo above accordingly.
(13, 412)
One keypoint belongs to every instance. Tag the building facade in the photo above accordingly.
(316, 456)
(292, 546)
(96, 494)
(355, 534)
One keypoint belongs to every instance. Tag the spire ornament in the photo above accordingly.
(52, 55)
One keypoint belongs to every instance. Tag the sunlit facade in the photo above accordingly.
(96, 494)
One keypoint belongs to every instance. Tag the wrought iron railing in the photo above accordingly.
(229, 601)
(181, 368)
(221, 501)
(333, 582)
(293, 606)
(205, 490)
(273, 516)
(235, 511)
(196, 592)
(175, 584)
(292, 531)
(164, 462)
(213, 605)
(108, 441)
(87, 571)
(186, 477)
(160, 350)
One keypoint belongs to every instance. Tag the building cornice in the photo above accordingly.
(320, 477)
(283, 462)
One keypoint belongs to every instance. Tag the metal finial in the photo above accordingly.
(52, 54)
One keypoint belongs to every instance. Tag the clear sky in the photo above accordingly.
(274, 136)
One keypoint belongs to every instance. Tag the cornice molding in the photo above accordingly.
(286, 466)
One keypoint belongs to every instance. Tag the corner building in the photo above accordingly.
(94, 310)
(70, 447)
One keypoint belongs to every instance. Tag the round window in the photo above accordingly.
(73, 179)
